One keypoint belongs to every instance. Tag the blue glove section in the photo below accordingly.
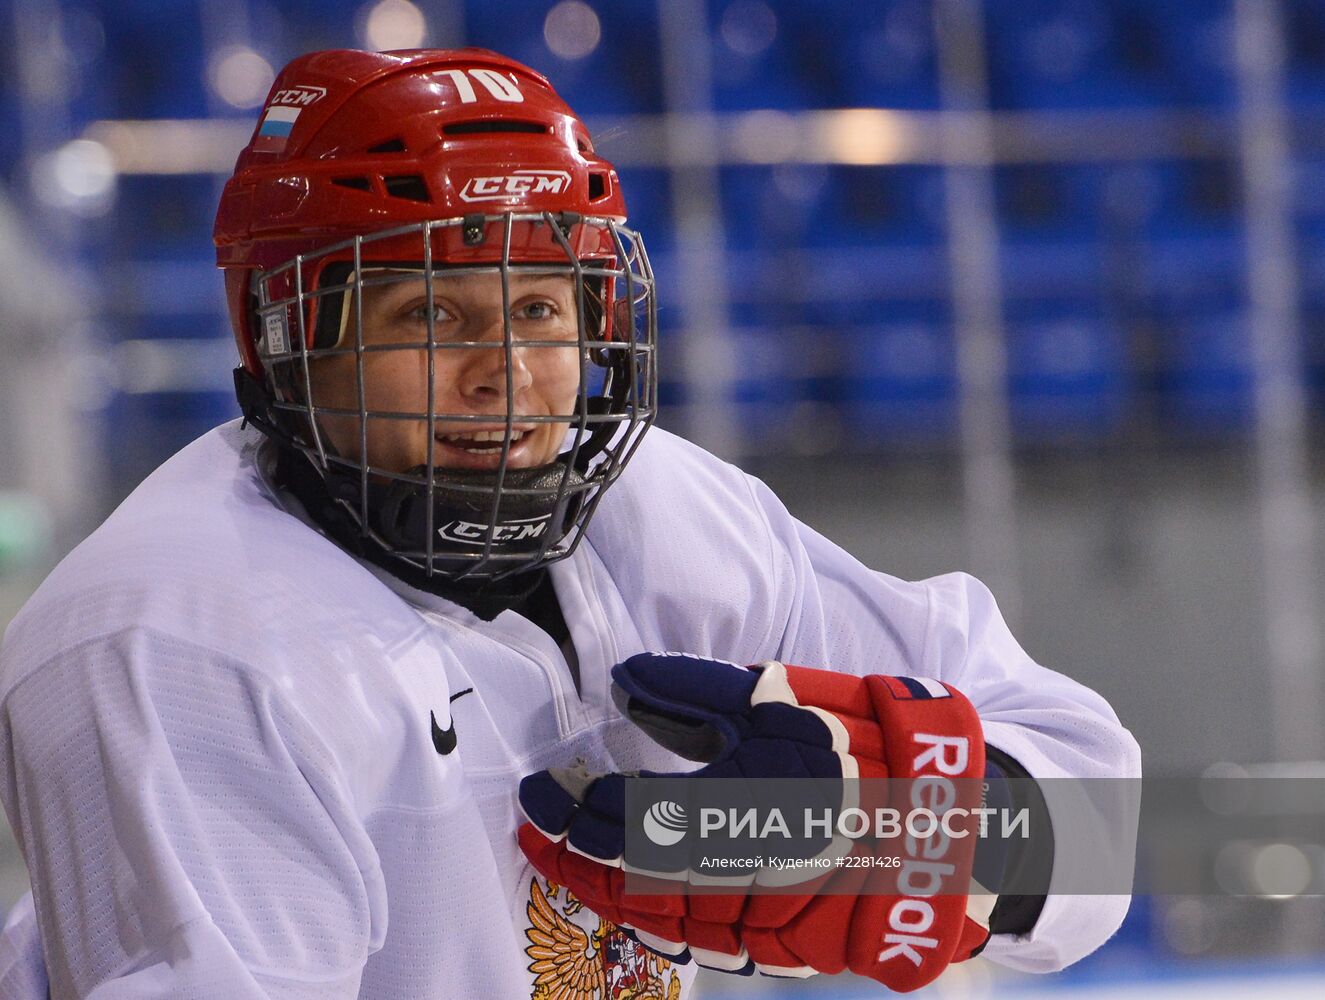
(668, 693)
(673, 697)
(549, 806)
(692, 706)
(588, 809)
(597, 830)
(687, 685)
(787, 722)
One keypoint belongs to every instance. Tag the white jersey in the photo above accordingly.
(217, 752)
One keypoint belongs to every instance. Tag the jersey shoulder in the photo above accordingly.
(685, 536)
(203, 551)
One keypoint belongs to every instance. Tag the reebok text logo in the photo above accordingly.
(924, 868)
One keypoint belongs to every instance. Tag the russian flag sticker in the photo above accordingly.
(915, 688)
(275, 129)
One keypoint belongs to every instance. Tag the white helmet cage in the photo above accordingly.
(449, 522)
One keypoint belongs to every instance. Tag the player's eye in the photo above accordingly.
(440, 314)
(538, 310)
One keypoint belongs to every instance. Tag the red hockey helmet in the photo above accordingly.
(423, 163)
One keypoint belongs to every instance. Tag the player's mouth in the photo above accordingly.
(480, 448)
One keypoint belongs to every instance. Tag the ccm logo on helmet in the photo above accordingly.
(299, 97)
(507, 531)
(515, 185)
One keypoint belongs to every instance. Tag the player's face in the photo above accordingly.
(544, 379)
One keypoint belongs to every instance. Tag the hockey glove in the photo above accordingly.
(778, 721)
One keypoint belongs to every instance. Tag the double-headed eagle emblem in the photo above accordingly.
(569, 963)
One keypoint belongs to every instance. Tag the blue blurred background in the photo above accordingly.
(1024, 287)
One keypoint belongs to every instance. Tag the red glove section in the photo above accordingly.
(901, 926)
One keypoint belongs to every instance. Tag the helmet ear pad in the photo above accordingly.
(329, 313)
(597, 317)
(277, 381)
(241, 303)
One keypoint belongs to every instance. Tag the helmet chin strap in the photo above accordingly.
(463, 518)
(464, 523)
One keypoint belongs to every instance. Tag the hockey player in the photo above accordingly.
(264, 732)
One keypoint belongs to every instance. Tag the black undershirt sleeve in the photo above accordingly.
(1026, 864)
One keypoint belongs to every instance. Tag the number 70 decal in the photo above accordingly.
(502, 88)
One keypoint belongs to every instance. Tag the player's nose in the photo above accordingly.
(498, 364)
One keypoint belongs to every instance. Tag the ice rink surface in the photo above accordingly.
(1208, 980)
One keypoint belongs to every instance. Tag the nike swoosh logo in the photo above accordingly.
(444, 740)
